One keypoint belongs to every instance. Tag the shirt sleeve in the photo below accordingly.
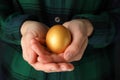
(103, 23)
(11, 21)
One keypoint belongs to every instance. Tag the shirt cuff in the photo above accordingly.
(104, 30)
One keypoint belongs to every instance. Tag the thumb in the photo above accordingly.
(78, 39)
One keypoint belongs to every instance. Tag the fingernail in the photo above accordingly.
(64, 69)
(71, 69)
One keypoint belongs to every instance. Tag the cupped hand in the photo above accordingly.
(80, 30)
(32, 30)
(49, 62)
(35, 52)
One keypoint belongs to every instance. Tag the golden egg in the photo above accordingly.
(58, 38)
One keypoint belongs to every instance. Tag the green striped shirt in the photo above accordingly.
(14, 12)
(95, 64)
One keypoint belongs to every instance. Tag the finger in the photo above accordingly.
(49, 67)
(51, 58)
(38, 48)
(73, 48)
(32, 57)
(45, 59)
(78, 38)
(53, 67)
(28, 54)
(66, 24)
(43, 55)
(81, 52)
(66, 66)
(58, 58)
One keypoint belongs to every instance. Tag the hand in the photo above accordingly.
(49, 62)
(80, 29)
(35, 52)
(32, 30)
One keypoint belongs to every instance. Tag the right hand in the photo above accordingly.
(32, 30)
(34, 51)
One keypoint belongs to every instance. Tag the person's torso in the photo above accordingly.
(58, 11)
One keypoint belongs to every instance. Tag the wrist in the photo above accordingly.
(29, 26)
(24, 27)
(88, 25)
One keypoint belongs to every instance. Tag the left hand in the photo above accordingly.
(80, 30)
